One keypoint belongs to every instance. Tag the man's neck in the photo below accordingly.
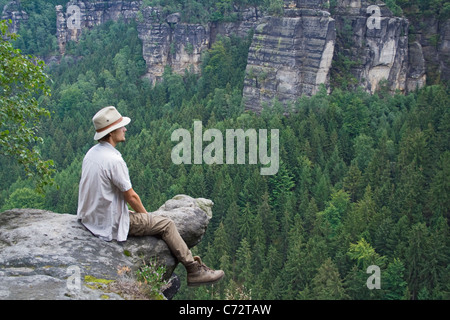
(112, 143)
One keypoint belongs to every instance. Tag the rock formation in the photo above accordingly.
(166, 41)
(431, 36)
(293, 55)
(377, 42)
(289, 56)
(311, 43)
(42, 253)
(13, 11)
(80, 15)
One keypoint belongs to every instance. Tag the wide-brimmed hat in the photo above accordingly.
(107, 120)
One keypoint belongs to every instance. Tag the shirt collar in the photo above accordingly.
(109, 146)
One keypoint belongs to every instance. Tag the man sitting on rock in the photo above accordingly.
(105, 190)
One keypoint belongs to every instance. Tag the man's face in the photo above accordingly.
(118, 135)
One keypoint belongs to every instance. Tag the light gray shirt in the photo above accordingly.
(101, 204)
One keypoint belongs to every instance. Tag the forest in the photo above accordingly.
(363, 178)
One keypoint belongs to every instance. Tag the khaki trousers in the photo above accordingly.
(147, 224)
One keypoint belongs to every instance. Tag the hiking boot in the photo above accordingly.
(199, 274)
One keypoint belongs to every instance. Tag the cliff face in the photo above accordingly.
(432, 37)
(289, 56)
(378, 44)
(79, 15)
(166, 41)
(13, 11)
(313, 43)
(294, 54)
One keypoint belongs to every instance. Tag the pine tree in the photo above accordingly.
(245, 221)
(322, 188)
(196, 182)
(292, 276)
(418, 267)
(361, 216)
(230, 222)
(336, 210)
(244, 272)
(353, 182)
(365, 255)
(439, 192)
(327, 283)
(269, 220)
(394, 285)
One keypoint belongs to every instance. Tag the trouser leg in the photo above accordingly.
(147, 224)
(143, 224)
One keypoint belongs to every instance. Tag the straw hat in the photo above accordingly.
(107, 120)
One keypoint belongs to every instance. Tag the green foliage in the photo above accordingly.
(203, 11)
(152, 276)
(24, 198)
(22, 80)
(327, 284)
(37, 33)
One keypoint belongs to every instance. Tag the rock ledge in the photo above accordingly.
(43, 255)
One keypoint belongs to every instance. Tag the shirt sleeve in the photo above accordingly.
(120, 176)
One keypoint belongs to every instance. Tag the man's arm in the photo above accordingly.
(133, 199)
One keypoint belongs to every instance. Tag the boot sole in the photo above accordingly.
(198, 284)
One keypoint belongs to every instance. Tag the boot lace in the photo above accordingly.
(202, 265)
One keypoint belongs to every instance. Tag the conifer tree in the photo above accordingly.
(394, 284)
(327, 283)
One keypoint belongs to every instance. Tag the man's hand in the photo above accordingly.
(133, 199)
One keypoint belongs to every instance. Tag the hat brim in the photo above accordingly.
(123, 123)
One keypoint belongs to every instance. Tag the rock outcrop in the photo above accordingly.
(293, 55)
(43, 254)
(13, 11)
(83, 15)
(377, 43)
(309, 44)
(289, 56)
(167, 42)
(431, 36)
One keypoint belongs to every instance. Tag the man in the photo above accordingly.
(105, 189)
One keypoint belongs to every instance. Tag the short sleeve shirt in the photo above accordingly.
(101, 204)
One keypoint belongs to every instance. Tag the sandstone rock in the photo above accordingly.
(43, 254)
(433, 34)
(376, 41)
(78, 15)
(417, 67)
(13, 11)
(167, 41)
(289, 56)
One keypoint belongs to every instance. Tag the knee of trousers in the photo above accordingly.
(170, 227)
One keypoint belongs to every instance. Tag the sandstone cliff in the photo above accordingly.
(378, 43)
(80, 15)
(289, 56)
(43, 254)
(13, 11)
(312, 43)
